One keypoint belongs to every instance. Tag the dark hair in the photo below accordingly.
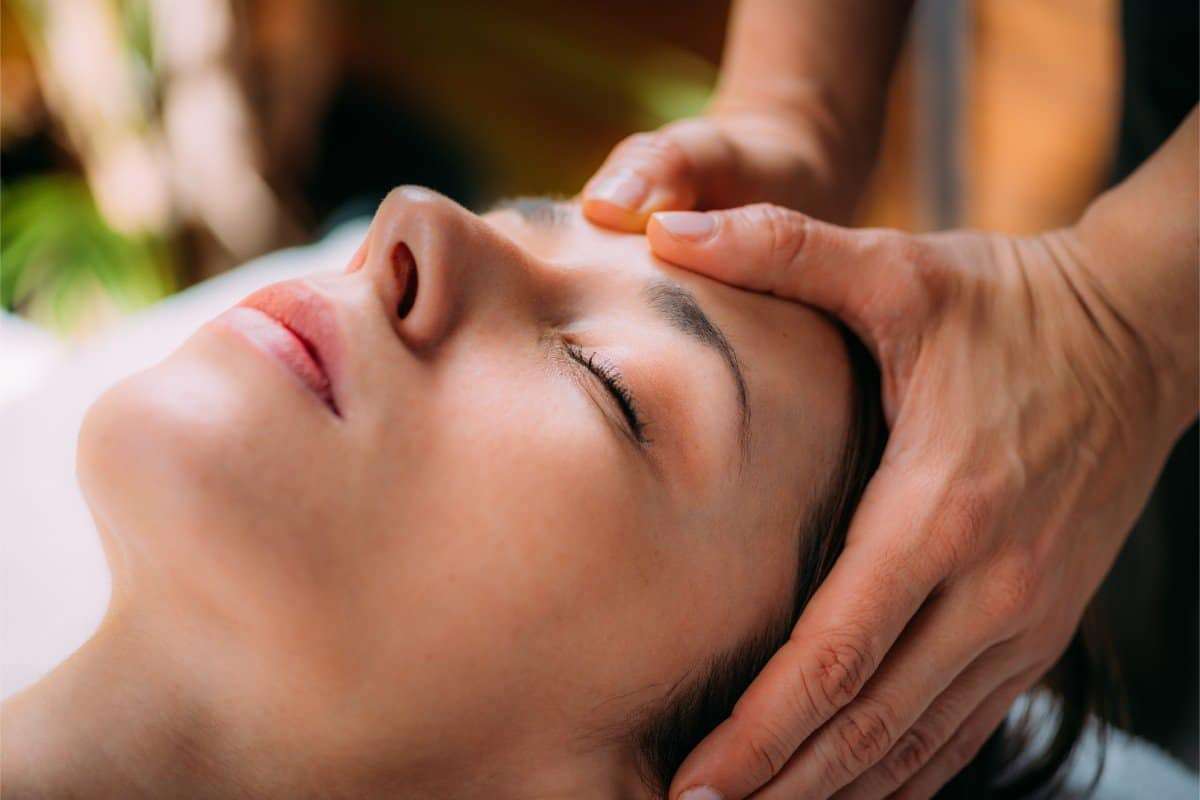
(666, 731)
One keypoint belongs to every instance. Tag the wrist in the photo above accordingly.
(1142, 245)
(1150, 291)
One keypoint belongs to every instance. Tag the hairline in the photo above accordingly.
(820, 532)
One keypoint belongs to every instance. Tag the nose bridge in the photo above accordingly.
(458, 264)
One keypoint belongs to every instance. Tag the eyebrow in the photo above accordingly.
(679, 308)
(673, 303)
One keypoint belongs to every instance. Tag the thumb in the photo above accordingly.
(766, 248)
(658, 171)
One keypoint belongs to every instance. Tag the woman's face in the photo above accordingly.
(448, 519)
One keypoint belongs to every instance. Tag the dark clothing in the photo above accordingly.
(1161, 75)
(1151, 595)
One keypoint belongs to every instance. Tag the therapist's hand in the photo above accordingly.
(718, 160)
(794, 119)
(1030, 410)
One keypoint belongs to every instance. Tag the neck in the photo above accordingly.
(120, 718)
(110, 721)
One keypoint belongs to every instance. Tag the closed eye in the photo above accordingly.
(610, 378)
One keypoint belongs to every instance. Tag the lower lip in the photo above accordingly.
(270, 336)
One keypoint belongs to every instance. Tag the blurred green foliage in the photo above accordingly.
(60, 261)
(139, 40)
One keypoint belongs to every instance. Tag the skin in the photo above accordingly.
(474, 568)
(1033, 387)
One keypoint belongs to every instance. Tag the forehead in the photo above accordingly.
(793, 357)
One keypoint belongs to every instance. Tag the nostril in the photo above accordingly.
(404, 267)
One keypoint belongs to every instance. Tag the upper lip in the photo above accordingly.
(311, 318)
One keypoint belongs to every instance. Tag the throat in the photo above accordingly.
(128, 714)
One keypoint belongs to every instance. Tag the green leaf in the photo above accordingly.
(60, 261)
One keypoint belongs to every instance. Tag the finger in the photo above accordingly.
(872, 592)
(647, 172)
(938, 645)
(770, 249)
(934, 728)
(965, 744)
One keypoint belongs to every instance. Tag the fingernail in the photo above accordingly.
(693, 226)
(623, 189)
(701, 793)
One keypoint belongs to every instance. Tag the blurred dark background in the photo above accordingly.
(149, 144)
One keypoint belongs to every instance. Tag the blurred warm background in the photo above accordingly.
(149, 144)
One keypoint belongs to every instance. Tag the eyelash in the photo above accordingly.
(610, 376)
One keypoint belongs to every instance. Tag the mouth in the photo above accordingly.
(297, 328)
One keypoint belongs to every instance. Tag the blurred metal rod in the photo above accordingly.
(941, 38)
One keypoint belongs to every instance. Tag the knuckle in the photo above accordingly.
(768, 750)
(784, 230)
(781, 234)
(1001, 482)
(920, 283)
(914, 750)
(839, 671)
(907, 253)
(864, 736)
(654, 150)
(973, 508)
(928, 273)
(1011, 593)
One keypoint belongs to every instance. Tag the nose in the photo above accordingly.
(429, 260)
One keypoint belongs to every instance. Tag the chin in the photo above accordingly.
(188, 444)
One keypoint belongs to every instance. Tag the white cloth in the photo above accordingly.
(27, 353)
(1132, 768)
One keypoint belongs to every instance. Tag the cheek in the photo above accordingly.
(522, 520)
(517, 474)
(524, 535)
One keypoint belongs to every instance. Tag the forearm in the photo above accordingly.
(1142, 240)
(823, 66)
